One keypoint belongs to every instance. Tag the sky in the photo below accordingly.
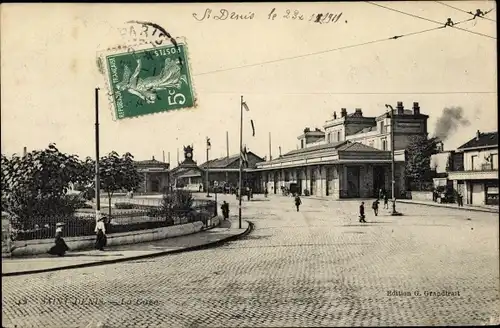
(49, 73)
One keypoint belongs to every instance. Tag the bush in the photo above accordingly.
(88, 193)
(306, 192)
(124, 206)
(177, 203)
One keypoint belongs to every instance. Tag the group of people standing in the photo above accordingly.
(60, 247)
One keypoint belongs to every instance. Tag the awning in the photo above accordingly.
(189, 175)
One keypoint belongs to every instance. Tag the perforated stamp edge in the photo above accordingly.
(141, 44)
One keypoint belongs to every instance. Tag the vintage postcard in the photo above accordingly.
(323, 164)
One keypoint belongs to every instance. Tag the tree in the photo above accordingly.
(418, 163)
(36, 184)
(116, 173)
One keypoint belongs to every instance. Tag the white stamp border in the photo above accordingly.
(141, 45)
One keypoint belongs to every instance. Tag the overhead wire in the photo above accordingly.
(453, 25)
(318, 52)
(356, 93)
(468, 12)
(443, 25)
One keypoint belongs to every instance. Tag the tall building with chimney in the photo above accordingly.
(351, 158)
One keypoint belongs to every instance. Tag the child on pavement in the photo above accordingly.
(386, 201)
(362, 212)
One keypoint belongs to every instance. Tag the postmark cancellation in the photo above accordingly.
(146, 79)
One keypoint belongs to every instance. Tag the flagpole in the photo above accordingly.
(270, 152)
(241, 160)
(208, 183)
(227, 156)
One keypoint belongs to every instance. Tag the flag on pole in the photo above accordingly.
(244, 156)
(208, 143)
(244, 104)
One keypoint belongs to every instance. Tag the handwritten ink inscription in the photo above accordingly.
(223, 14)
(320, 18)
(288, 14)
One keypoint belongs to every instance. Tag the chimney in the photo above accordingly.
(334, 115)
(25, 151)
(343, 112)
(153, 158)
(359, 111)
(478, 135)
(400, 108)
(416, 108)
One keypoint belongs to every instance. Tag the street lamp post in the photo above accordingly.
(207, 166)
(97, 180)
(393, 164)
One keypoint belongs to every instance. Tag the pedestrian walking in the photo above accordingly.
(362, 212)
(375, 207)
(298, 202)
(248, 193)
(386, 201)
(380, 194)
(460, 200)
(101, 239)
(265, 192)
(225, 210)
(60, 248)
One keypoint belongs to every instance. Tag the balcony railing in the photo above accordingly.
(480, 168)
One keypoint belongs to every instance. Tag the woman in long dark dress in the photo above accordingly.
(100, 230)
(60, 248)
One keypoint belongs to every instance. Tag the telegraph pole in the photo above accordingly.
(393, 163)
(241, 161)
(97, 180)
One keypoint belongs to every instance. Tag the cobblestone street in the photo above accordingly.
(317, 267)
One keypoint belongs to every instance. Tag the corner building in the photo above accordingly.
(351, 158)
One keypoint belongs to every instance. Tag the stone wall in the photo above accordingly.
(41, 246)
(422, 195)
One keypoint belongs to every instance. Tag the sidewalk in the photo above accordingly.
(228, 230)
(477, 208)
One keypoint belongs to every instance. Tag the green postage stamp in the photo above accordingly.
(146, 80)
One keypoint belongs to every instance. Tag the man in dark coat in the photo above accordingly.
(386, 201)
(225, 210)
(362, 212)
(375, 207)
(298, 202)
